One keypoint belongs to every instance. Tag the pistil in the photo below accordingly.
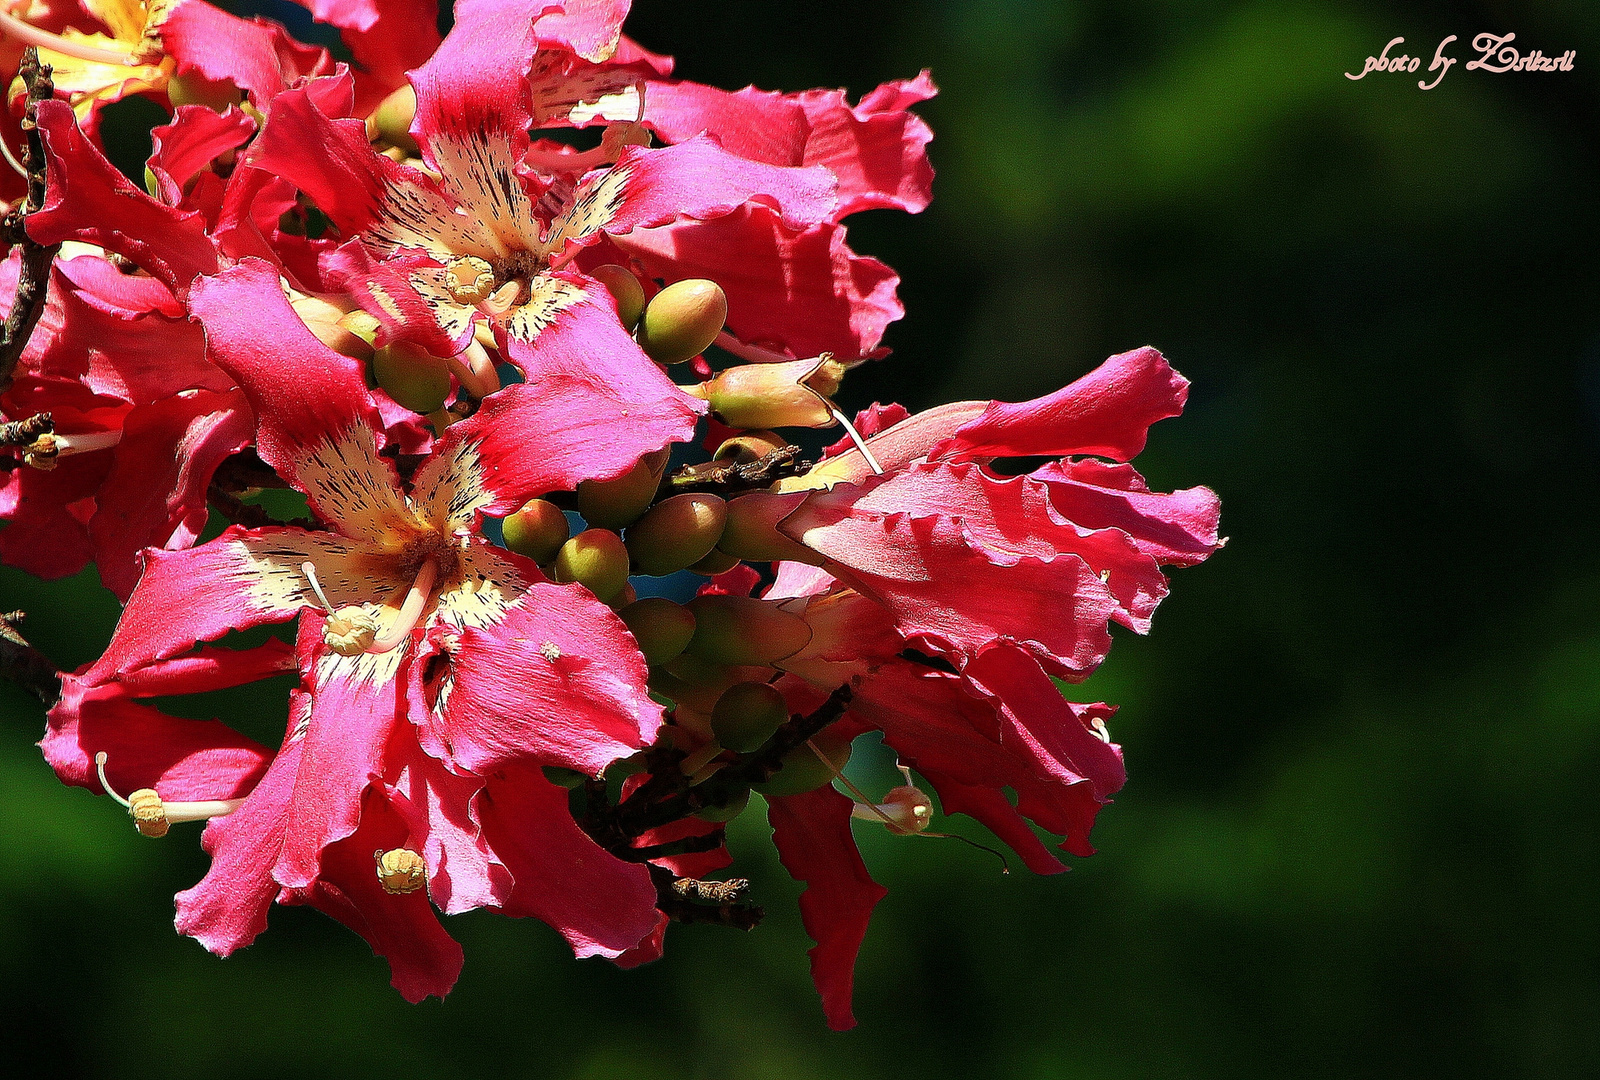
(151, 815)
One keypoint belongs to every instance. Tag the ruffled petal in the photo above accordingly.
(257, 56)
(812, 833)
(439, 808)
(196, 136)
(1177, 529)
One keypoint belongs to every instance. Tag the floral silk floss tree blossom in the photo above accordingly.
(518, 718)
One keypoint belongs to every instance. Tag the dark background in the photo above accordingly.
(1360, 832)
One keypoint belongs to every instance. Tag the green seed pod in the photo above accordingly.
(661, 627)
(567, 778)
(613, 504)
(682, 319)
(676, 533)
(750, 446)
(747, 714)
(734, 808)
(595, 559)
(741, 630)
(801, 770)
(537, 530)
(391, 122)
(796, 393)
(624, 289)
(416, 379)
(718, 562)
(195, 89)
(752, 532)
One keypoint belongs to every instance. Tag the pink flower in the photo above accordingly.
(437, 672)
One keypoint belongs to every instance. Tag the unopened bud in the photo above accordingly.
(682, 319)
(595, 559)
(415, 378)
(747, 714)
(149, 815)
(400, 871)
(742, 630)
(752, 532)
(750, 446)
(907, 808)
(612, 504)
(717, 562)
(676, 533)
(802, 770)
(791, 394)
(391, 121)
(661, 628)
(537, 530)
(195, 89)
(624, 289)
(727, 812)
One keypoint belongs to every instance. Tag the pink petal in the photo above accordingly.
(1106, 413)
(328, 159)
(196, 136)
(108, 289)
(812, 833)
(557, 681)
(600, 904)
(43, 534)
(439, 808)
(1178, 529)
(257, 56)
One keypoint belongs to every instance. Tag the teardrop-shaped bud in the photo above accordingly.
(624, 289)
(751, 531)
(682, 320)
(676, 533)
(661, 628)
(195, 89)
(414, 377)
(747, 714)
(537, 530)
(750, 446)
(717, 562)
(727, 812)
(796, 393)
(596, 559)
(391, 121)
(613, 504)
(741, 630)
(801, 770)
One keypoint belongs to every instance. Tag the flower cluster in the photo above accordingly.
(524, 277)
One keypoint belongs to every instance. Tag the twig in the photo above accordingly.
(670, 901)
(26, 666)
(242, 513)
(729, 478)
(711, 892)
(24, 432)
(33, 281)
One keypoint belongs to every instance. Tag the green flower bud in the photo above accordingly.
(537, 530)
(196, 89)
(682, 319)
(733, 809)
(676, 533)
(747, 714)
(567, 778)
(612, 504)
(661, 627)
(750, 446)
(801, 770)
(415, 378)
(792, 394)
(741, 630)
(391, 122)
(752, 532)
(595, 559)
(718, 562)
(624, 289)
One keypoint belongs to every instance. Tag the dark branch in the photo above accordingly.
(245, 471)
(24, 432)
(670, 901)
(238, 512)
(33, 281)
(689, 845)
(729, 478)
(26, 666)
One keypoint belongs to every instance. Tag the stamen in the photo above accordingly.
(755, 354)
(13, 27)
(151, 815)
(400, 871)
(855, 437)
(310, 571)
(502, 301)
(45, 452)
(475, 371)
(410, 611)
(469, 279)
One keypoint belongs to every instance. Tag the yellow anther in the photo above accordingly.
(42, 453)
(148, 812)
(400, 871)
(350, 631)
(469, 279)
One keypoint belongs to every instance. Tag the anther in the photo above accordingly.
(400, 870)
(469, 279)
(45, 452)
(151, 815)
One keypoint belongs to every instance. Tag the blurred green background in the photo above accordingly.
(1361, 833)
